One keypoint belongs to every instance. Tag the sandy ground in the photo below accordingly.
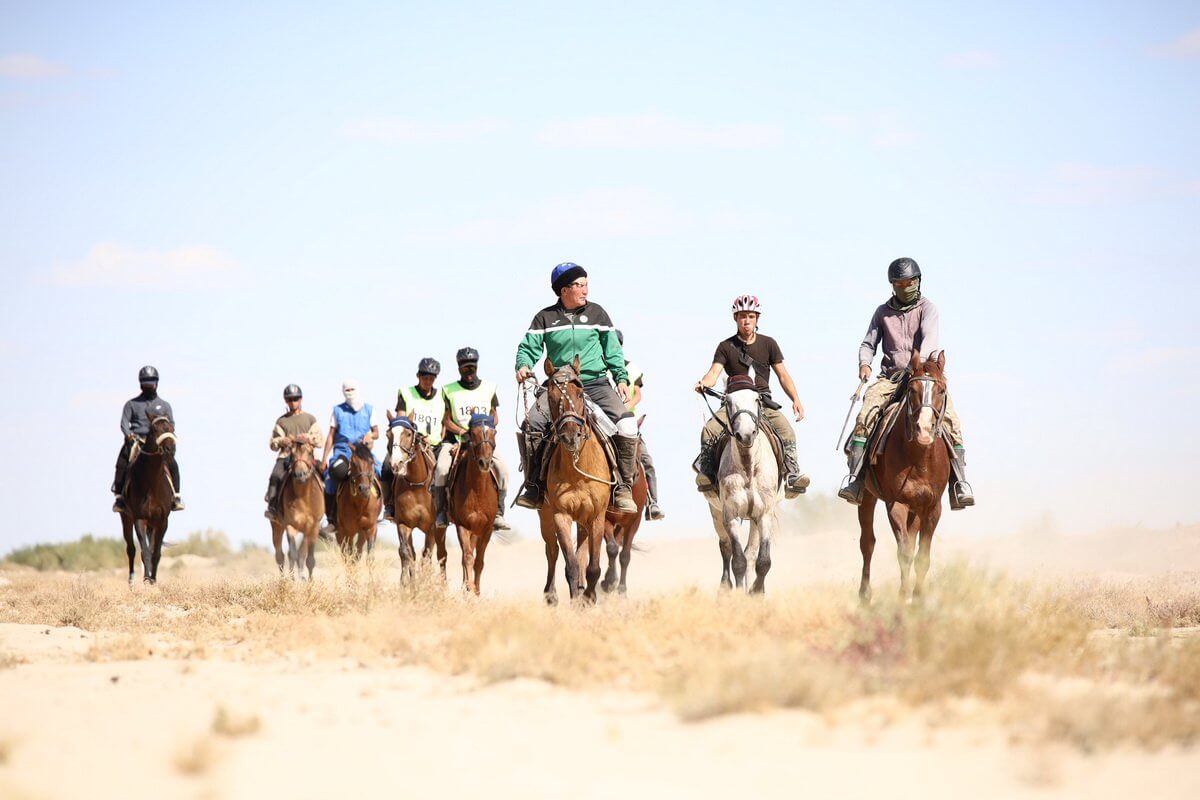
(301, 726)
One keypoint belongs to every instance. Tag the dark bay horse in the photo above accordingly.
(578, 486)
(302, 500)
(148, 498)
(359, 501)
(472, 498)
(910, 478)
(412, 466)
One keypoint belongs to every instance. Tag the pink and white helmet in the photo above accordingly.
(747, 302)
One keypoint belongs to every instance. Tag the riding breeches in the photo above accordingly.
(876, 398)
(601, 394)
(122, 469)
(278, 472)
(716, 426)
(445, 457)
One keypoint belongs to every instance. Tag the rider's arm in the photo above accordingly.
(614, 356)
(710, 378)
(870, 343)
(127, 420)
(789, 388)
(929, 331)
(496, 411)
(314, 434)
(328, 448)
(278, 438)
(529, 351)
(449, 423)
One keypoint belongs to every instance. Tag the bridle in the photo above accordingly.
(489, 437)
(396, 442)
(928, 384)
(358, 476)
(167, 435)
(755, 415)
(310, 461)
(568, 411)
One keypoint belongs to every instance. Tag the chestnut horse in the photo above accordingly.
(578, 482)
(302, 504)
(472, 498)
(910, 477)
(619, 530)
(358, 504)
(412, 469)
(148, 498)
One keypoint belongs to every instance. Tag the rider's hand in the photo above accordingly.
(798, 410)
(324, 465)
(864, 372)
(524, 374)
(623, 391)
(699, 387)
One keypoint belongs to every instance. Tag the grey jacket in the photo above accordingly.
(900, 332)
(135, 417)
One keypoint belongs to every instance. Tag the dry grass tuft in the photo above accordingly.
(196, 757)
(1008, 646)
(227, 723)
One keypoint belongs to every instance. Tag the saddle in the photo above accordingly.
(764, 428)
(457, 459)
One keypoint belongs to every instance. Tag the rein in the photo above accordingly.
(567, 412)
(928, 384)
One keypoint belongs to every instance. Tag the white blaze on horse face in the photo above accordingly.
(744, 425)
(925, 418)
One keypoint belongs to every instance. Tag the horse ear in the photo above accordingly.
(915, 362)
(576, 364)
(941, 362)
(548, 366)
(641, 419)
(390, 415)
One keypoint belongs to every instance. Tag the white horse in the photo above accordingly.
(748, 489)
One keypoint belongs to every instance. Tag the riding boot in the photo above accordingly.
(119, 473)
(389, 500)
(795, 481)
(177, 502)
(272, 512)
(500, 523)
(852, 492)
(531, 491)
(627, 465)
(706, 478)
(330, 512)
(961, 494)
(653, 512)
(439, 505)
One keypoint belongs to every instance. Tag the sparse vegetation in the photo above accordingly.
(195, 757)
(90, 553)
(227, 723)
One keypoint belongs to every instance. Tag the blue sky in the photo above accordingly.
(251, 197)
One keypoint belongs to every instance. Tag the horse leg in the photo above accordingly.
(762, 559)
(726, 545)
(407, 555)
(626, 550)
(466, 540)
(277, 541)
(898, 517)
(157, 536)
(147, 554)
(550, 593)
(928, 526)
(480, 548)
(441, 551)
(738, 556)
(611, 535)
(130, 547)
(562, 529)
(583, 554)
(866, 543)
(293, 555)
(594, 540)
(753, 542)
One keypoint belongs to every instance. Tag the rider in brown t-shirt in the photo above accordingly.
(749, 352)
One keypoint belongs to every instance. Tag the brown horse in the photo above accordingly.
(910, 477)
(148, 498)
(358, 503)
(619, 530)
(302, 500)
(578, 484)
(473, 497)
(412, 466)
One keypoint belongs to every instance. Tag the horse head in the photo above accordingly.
(568, 409)
(362, 468)
(743, 406)
(161, 437)
(303, 461)
(402, 443)
(481, 440)
(925, 399)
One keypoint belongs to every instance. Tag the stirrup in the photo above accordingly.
(500, 523)
(530, 497)
(852, 492)
(959, 501)
(119, 504)
(795, 484)
(177, 504)
(654, 513)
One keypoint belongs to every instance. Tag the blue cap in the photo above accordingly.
(565, 273)
(481, 419)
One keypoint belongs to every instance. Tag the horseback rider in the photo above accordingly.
(135, 425)
(296, 423)
(352, 421)
(467, 396)
(908, 321)
(753, 354)
(575, 327)
(636, 386)
(425, 406)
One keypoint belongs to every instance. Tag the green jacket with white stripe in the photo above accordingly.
(586, 332)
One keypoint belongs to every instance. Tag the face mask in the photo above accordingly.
(909, 295)
(350, 392)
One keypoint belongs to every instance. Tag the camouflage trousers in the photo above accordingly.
(876, 399)
(716, 426)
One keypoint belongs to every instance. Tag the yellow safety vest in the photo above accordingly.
(427, 414)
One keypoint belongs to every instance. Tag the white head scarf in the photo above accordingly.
(350, 392)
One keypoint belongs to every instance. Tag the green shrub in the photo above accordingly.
(89, 553)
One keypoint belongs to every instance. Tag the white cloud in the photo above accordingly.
(113, 264)
(655, 130)
(886, 130)
(22, 65)
(1186, 46)
(599, 214)
(398, 130)
(972, 59)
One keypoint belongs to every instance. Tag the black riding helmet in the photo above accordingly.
(147, 374)
(292, 392)
(467, 355)
(903, 269)
(429, 366)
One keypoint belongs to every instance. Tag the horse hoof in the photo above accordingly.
(551, 599)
